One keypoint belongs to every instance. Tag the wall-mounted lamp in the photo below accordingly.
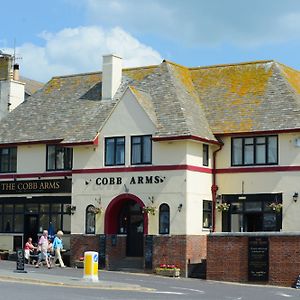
(219, 199)
(179, 207)
(88, 181)
(295, 197)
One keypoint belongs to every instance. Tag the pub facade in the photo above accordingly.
(142, 164)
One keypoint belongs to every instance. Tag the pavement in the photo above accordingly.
(66, 277)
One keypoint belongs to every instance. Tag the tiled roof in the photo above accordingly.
(180, 101)
(31, 86)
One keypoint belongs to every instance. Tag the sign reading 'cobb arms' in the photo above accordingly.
(35, 186)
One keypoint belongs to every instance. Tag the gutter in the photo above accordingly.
(214, 187)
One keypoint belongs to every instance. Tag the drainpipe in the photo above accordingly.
(214, 188)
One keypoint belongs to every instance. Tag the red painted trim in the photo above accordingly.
(257, 132)
(258, 169)
(36, 175)
(185, 137)
(57, 141)
(143, 169)
(111, 214)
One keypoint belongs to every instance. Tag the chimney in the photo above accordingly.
(111, 75)
(16, 72)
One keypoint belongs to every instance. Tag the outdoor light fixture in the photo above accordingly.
(88, 181)
(295, 197)
(126, 188)
(180, 207)
(219, 199)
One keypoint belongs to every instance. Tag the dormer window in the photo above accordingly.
(59, 158)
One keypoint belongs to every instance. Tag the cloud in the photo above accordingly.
(77, 50)
(200, 22)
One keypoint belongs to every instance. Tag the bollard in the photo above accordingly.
(90, 266)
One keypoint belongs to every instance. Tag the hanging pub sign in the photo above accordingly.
(36, 186)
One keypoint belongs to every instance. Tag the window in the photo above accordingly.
(164, 219)
(261, 150)
(205, 154)
(90, 220)
(59, 158)
(115, 151)
(141, 150)
(8, 160)
(207, 214)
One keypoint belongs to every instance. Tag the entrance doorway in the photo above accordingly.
(131, 222)
(31, 227)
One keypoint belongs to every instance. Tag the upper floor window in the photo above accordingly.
(59, 158)
(115, 151)
(164, 219)
(205, 154)
(8, 160)
(260, 150)
(141, 150)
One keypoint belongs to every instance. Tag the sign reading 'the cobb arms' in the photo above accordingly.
(35, 186)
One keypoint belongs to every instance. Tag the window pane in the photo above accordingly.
(205, 155)
(237, 223)
(68, 158)
(120, 151)
(51, 158)
(164, 219)
(236, 207)
(8, 208)
(44, 221)
(90, 221)
(272, 149)
(269, 222)
(19, 208)
(56, 208)
(136, 154)
(44, 208)
(13, 159)
(8, 223)
(1, 219)
(207, 205)
(147, 149)
(56, 222)
(109, 152)
(253, 206)
(248, 151)
(59, 159)
(19, 223)
(237, 157)
(32, 208)
(261, 154)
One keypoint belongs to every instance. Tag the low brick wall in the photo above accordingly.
(227, 257)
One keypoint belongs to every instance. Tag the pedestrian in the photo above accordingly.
(57, 248)
(29, 249)
(43, 245)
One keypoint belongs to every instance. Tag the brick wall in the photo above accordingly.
(179, 250)
(115, 250)
(227, 257)
(80, 243)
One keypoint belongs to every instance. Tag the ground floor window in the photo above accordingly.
(252, 212)
(207, 214)
(31, 216)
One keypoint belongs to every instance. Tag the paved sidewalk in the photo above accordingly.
(67, 277)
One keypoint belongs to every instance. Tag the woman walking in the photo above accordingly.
(57, 247)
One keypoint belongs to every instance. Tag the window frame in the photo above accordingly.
(11, 159)
(207, 211)
(67, 158)
(205, 155)
(255, 144)
(141, 144)
(90, 214)
(115, 138)
(160, 229)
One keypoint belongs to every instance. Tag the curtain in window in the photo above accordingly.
(90, 220)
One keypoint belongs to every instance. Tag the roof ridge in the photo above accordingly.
(233, 64)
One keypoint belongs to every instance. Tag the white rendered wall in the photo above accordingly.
(31, 159)
(17, 94)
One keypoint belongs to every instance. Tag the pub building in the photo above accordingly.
(143, 164)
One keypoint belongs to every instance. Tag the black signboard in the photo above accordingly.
(148, 251)
(36, 186)
(20, 261)
(102, 250)
(258, 259)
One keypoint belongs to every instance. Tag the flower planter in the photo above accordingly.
(168, 272)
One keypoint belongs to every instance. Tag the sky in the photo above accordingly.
(61, 37)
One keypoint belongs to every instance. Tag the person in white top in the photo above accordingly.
(43, 245)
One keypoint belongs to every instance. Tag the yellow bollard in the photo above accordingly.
(91, 266)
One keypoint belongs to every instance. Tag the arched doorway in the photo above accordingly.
(124, 216)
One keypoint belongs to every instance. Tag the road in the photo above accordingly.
(152, 287)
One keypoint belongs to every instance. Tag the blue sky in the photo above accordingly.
(58, 37)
